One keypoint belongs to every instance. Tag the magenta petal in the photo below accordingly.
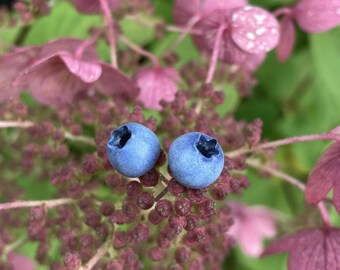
(156, 84)
(253, 61)
(10, 66)
(70, 45)
(287, 39)
(20, 262)
(114, 83)
(229, 51)
(50, 81)
(336, 195)
(324, 174)
(212, 5)
(254, 29)
(251, 226)
(184, 10)
(88, 72)
(286, 243)
(317, 15)
(93, 6)
(309, 249)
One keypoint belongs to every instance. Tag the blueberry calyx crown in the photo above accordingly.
(121, 136)
(207, 147)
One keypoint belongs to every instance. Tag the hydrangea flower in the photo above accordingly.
(57, 71)
(20, 262)
(251, 226)
(324, 176)
(311, 249)
(317, 15)
(156, 84)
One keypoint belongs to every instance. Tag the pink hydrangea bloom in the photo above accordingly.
(57, 72)
(317, 15)
(20, 262)
(93, 6)
(248, 30)
(324, 176)
(312, 249)
(251, 226)
(156, 84)
(58, 75)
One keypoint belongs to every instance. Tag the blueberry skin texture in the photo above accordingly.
(192, 167)
(133, 149)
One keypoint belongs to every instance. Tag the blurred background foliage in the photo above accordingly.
(300, 96)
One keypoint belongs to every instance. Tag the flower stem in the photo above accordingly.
(13, 246)
(215, 54)
(282, 11)
(26, 204)
(295, 182)
(95, 259)
(273, 144)
(140, 50)
(87, 43)
(184, 32)
(27, 124)
(111, 32)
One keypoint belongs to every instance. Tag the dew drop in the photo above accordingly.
(250, 36)
(260, 31)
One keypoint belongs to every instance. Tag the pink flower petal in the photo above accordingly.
(86, 71)
(212, 5)
(93, 6)
(50, 82)
(254, 29)
(10, 65)
(253, 61)
(251, 226)
(309, 249)
(317, 15)
(336, 194)
(114, 83)
(184, 10)
(70, 45)
(156, 84)
(287, 39)
(229, 51)
(20, 262)
(324, 174)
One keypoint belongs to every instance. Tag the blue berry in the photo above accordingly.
(133, 149)
(196, 160)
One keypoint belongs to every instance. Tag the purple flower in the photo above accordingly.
(20, 262)
(156, 84)
(93, 6)
(317, 15)
(251, 226)
(324, 176)
(311, 249)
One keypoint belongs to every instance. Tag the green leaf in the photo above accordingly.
(64, 21)
(139, 28)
